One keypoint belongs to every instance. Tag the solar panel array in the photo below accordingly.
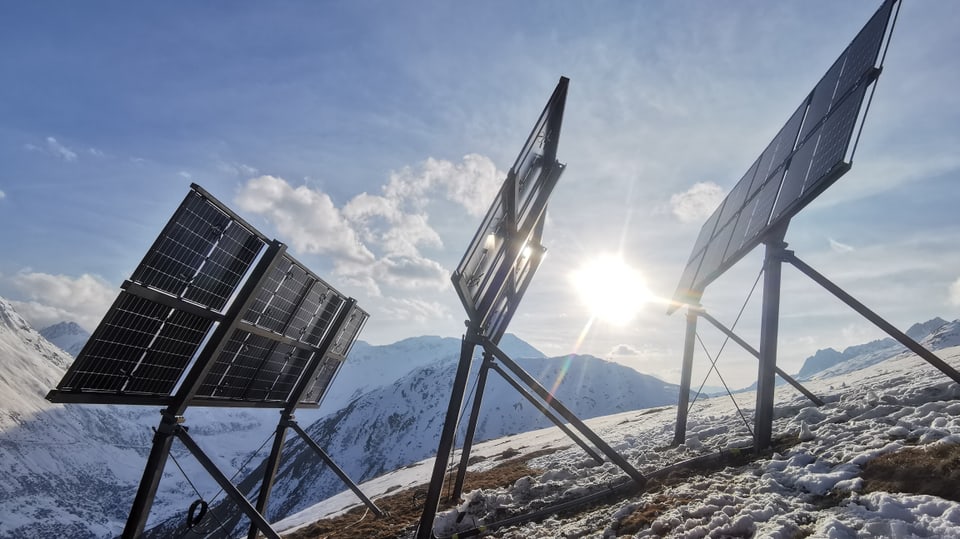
(191, 282)
(806, 156)
(499, 259)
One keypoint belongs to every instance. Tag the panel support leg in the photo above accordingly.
(270, 470)
(333, 466)
(471, 426)
(769, 329)
(224, 482)
(152, 472)
(862, 309)
(549, 415)
(753, 351)
(565, 413)
(447, 436)
(686, 373)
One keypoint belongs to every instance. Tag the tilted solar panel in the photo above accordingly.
(808, 154)
(492, 263)
(211, 316)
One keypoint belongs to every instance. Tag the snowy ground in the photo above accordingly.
(891, 405)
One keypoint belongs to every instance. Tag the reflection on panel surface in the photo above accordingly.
(808, 154)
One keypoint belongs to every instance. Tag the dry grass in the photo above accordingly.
(933, 470)
(404, 508)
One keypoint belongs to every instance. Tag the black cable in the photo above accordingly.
(737, 406)
(713, 364)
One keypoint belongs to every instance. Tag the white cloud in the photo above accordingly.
(376, 239)
(697, 203)
(238, 169)
(2, 195)
(412, 309)
(58, 298)
(305, 218)
(471, 184)
(622, 350)
(839, 247)
(955, 292)
(60, 150)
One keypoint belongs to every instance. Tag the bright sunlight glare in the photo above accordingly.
(612, 291)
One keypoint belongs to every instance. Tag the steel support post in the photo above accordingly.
(769, 329)
(686, 373)
(565, 413)
(753, 351)
(447, 436)
(471, 426)
(877, 320)
(293, 400)
(336, 469)
(270, 470)
(225, 484)
(152, 472)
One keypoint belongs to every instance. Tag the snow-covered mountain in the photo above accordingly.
(830, 362)
(68, 336)
(372, 366)
(72, 470)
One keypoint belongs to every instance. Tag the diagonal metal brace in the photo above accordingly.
(900, 336)
(565, 413)
(753, 351)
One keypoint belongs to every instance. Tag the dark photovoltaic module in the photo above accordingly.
(164, 319)
(810, 152)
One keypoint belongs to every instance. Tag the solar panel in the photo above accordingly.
(335, 357)
(211, 309)
(807, 155)
(494, 262)
(201, 254)
(141, 347)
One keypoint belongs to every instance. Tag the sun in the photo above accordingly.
(612, 291)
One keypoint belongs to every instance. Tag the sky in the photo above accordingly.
(370, 137)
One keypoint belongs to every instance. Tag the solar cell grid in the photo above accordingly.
(834, 140)
(285, 298)
(275, 377)
(739, 237)
(177, 254)
(822, 97)
(164, 362)
(321, 380)
(236, 365)
(765, 201)
(321, 323)
(222, 270)
(863, 51)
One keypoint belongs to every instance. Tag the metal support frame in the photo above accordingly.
(448, 435)
(471, 425)
(873, 317)
(686, 373)
(549, 415)
(232, 492)
(162, 440)
(565, 413)
(753, 351)
(769, 330)
(287, 420)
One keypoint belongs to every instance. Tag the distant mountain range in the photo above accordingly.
(68, 336)
(73, 470)
(934, 334)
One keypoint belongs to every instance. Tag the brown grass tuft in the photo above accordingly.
(405, 507)
(933, 470)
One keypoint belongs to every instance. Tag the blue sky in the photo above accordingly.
(371, 136)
